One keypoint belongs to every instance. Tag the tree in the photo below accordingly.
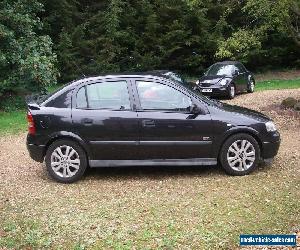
(26, 58)
(95, 37)
(263, 19)
(294, 21)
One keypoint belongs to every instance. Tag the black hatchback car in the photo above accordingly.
(226, 79)
(144, 120)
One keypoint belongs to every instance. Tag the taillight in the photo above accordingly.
(31, 126)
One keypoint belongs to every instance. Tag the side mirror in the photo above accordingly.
(194, 109)
(236, 72)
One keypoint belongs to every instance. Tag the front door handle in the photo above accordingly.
(87, 121)
(148, 123)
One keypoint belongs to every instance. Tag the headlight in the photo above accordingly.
(270, 126)
(197, 82)
(224, 81)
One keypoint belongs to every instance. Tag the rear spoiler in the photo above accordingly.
(33, 101)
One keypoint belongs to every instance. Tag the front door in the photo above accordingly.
(104, 118)
(241, 78)
(167, 129)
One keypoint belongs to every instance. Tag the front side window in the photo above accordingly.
(156, 96)
(104, 95)
(81, 98)
(241, 68)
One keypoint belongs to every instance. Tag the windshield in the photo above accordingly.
(220, 70)
(175, 77)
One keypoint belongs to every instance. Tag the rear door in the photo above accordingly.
(103, 116)
(167, 129)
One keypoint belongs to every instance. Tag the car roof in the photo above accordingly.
(229, 62)
(159, 75)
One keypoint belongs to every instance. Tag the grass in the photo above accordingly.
(278, 84)
(155, 209)
(13, 113)
(13, 122)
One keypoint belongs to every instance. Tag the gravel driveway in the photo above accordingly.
(186, 207)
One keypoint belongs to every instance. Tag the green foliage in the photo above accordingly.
(96, 37)
(93, 37)
(12, 103)
(26, 58)
(114, 36)
(261, 21)
(239, 46)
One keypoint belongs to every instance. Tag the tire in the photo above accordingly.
(240, 163)
(251, 86)
(231, 91)
(69, 161)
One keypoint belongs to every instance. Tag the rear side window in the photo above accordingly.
(61, 101)
(104, 95)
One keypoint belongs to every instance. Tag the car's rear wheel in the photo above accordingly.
(251, 86)
(240, 154)
(231, 91)
(66, 161)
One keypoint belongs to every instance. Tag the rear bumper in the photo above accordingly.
(36, 152)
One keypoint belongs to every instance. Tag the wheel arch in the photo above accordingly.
(233, 83)
(240, 130)
(65, 135)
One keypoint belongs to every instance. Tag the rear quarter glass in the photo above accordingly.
(64, 100)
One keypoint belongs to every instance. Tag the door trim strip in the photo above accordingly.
(152, 143)
(154, 162)
(174, 143)
(131, 143)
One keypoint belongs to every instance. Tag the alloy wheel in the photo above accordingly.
(65, 161)
(241, 155)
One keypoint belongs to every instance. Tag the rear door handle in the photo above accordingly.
(148, 123)
(87, 121)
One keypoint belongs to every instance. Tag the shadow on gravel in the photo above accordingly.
(152, 172)
(224, 98)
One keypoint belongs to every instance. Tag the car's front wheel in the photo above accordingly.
(240, 154)
(251, 86)
(231, 91)
(66, 161)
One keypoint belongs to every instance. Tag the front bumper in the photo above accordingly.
(36, 152)
(270, 149)
(215, 90)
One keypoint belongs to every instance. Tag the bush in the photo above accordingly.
(12, 103)
(27, 62)
(297, 106)
(289, 102)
